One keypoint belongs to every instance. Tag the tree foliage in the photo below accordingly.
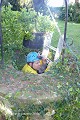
(73, 13)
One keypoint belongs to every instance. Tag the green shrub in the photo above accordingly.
(19, 24)
(15, 24)
(44, 23)
(73, 13)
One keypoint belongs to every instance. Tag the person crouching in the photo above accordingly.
(35, 64)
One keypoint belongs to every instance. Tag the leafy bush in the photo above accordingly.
(73, 13)
(44, 23)
(15, 24)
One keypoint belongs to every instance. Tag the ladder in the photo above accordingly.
(62, 38)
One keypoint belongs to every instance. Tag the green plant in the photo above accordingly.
(73, 13)
(15, 24)
(44, 23)
(11, 32)
(27, 20)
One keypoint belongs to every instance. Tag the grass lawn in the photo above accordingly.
(73, 33)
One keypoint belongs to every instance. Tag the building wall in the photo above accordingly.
(73, 1)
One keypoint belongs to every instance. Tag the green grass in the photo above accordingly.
(73, 33)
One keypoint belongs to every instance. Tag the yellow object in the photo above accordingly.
(28, 69)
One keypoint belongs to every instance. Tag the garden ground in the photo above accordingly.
(58, 89)
(38, 90)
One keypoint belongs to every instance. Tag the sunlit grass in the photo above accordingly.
(5, 109)
(73, 33)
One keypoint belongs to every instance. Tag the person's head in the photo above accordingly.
(33, 60)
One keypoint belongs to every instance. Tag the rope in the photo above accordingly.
(54, 21)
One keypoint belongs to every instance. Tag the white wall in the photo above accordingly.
(72, 1)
